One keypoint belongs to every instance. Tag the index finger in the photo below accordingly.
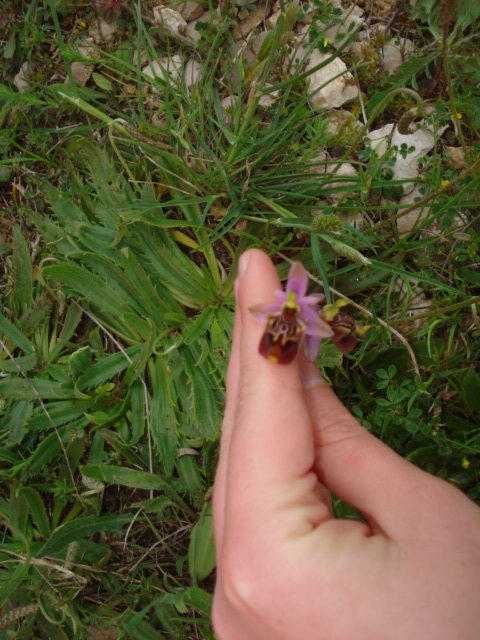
(270, 457)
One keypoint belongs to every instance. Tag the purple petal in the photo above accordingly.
(297, 280)
(315, 326)
(260, 311)
(312, 300)
(281, 295)
(311, 345)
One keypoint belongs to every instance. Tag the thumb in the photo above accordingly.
(355, 465)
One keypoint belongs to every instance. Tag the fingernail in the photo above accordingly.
(243, 264)
(311, 376)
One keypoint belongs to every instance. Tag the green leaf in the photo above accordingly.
(81, 528)
(198, 599)
(201, 550)
(15, 420)
(86, 284)
(10, 47)
(102, 82)
(26, 364)
(47, 389)
(204, 401)
(125, 477)
(32, 319)
(199, 326)
(471, 389)
(138, 411)
(22, 270)
(16, 336)
(121, 447)
(106, 368)
(163, 425)
(37, 510)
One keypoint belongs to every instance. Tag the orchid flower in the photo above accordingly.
(293, 320)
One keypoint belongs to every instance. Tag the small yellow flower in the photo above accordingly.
(459, 116)
(445, 182)
(465, 463)
(326, 42)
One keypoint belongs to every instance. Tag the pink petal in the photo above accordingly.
(315, 326)
(312, 300)
(297, 280)
(311, 345)
(260, 311)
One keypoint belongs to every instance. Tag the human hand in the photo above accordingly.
(287, 570)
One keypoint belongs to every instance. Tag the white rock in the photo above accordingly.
(337, 90)
(170, 20)
(164, 69)
(346, 169)
(192, 31)
(86, 48)
(229, 107)
(273, 19)
(256, 42)
(342, 122)
(406, 165)
(21, 80)
(81, 72)
(321, 163)
(104, 31)
(299, 49)
(351, 19)
(267, 99)
(253, 20)
(395, 53)
(406, 223)
(191, 10)
(456, 157)
(379, 139)
(193, 73)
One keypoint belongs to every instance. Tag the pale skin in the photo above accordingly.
(286, 569)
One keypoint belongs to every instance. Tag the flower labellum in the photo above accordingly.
(292, 321)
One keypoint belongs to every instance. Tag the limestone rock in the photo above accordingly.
(170, 20)
(104, 31)
(415, 146)
(164, 68)
(395, 53)
(82, 73)
(351, 19)
(21, 80)
(343, 123)
(321, 163)
(192, 31)
(267, 99)
(337, 90)
(407, 222)
(229, 107)
(255, 18)
(379, 139)
(193, 73)
(456, 157)
(346, 169)
(191, 10)
(384, 8)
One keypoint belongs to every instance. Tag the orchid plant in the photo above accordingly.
(296, 320)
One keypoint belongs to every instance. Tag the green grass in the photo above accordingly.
(125, 207)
